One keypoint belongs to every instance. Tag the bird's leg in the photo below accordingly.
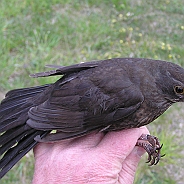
(152, 146)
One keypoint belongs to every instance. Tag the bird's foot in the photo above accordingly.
(152, 146)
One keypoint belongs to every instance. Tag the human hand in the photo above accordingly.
(100, 158)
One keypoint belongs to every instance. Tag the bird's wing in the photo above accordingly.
(83, 102)
(62, 70)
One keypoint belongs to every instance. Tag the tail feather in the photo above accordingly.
(11, 143)
(14, 154)
(16, 137)
(18, 99)
(24, 92)
(12, 111)
(15, 150)
(19, 146)
(7, 107)
(14, 120)
(12, 133)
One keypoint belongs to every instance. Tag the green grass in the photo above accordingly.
(35, 33)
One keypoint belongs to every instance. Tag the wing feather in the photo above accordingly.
(62, 70)
(78, 105)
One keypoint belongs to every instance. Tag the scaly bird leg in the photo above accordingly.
(152, 146)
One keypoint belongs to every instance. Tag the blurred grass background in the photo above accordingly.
(35, 33)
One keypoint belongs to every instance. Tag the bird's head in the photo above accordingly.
(171, 81)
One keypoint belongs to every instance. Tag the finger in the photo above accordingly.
(120, 144)
(130, 164)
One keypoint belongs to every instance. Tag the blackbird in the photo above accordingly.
(101, 96)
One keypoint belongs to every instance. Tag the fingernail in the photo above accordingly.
(139, 151)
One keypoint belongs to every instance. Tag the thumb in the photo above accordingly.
(129, 165)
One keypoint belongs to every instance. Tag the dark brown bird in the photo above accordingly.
(107, 95)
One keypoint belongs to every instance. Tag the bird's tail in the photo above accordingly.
(16, 137)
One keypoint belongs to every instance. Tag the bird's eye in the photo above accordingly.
(179, 89)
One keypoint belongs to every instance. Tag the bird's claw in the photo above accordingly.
(152, 146)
